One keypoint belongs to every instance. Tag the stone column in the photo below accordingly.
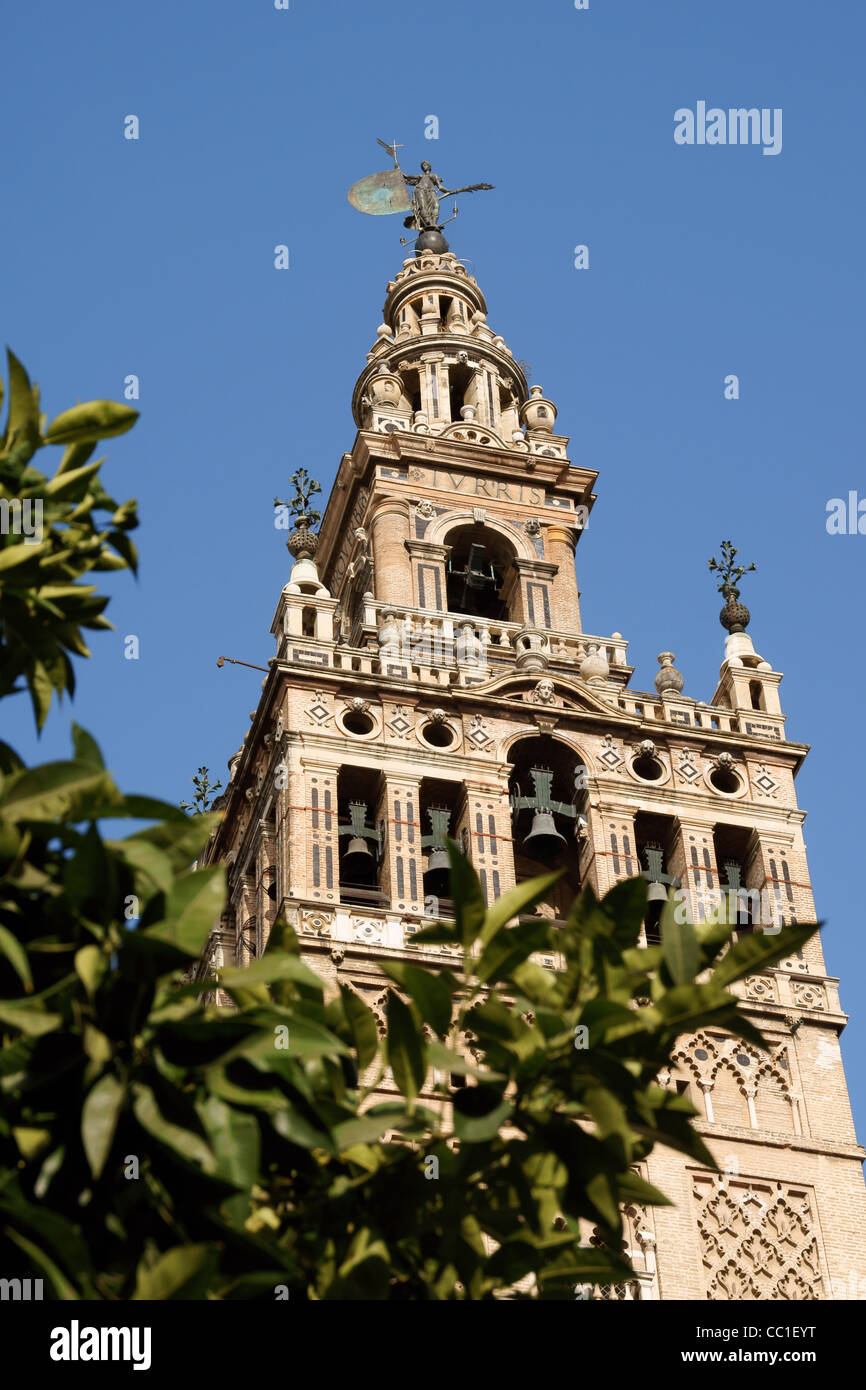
(428, 564)
(693, 862)
(403, 867)
(536, 593)
(392, 575)
(317, 822)
(559, 544)
(609, 854)
(487, 817)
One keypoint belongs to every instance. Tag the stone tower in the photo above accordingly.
(432, 678)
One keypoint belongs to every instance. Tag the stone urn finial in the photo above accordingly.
(668, 681)
(302, 543)
(734, 616)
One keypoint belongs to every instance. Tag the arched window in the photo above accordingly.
(548, 791)
(481, 579)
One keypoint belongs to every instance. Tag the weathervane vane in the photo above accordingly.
(388, 192)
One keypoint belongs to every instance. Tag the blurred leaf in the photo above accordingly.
(432, 993)
(183, 1272)
(99, 1120)
(89, 422)
(405, 1047)
(679, 945)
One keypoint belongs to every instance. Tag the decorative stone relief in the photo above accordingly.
(368, 929)
(761, 987)
(478, 735)
(316, 923)
(425, 509)
(401, 723)
(544, 693)
(317, 710)
(808, 995)
(765, 784)
(759, 1239)
(533, 526)
(687, 768)
(610, 756)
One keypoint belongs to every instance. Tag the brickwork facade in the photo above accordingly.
(429, 663)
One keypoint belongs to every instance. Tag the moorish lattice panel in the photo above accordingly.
(759, 1239)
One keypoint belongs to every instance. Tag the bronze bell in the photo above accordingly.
(436, 875)
(657, 893)
(544, 839)
(358, 856)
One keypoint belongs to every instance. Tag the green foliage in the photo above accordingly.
(260, 1163)
(730, 572)
(299, 504)
(205, 791)
(154, 1146)
(43, 604)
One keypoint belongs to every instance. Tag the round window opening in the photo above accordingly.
(438, 735)
(724, 780)
(356, 722)
(647, 767)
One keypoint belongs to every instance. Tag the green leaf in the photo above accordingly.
(55, 1276)
(183, 1272)
(99, 1117)
(91, 421)
(90, 966)
(510, 948)
(406, 1052)
(234, 1138)
(184, 1142)
(22, 425)
(432, 992)
(759, 949)
(367, 1128)
(59, 791)
(268, 969)
(445, 1059)
(469, 905)
(29, 1019)
(85, 748)
(15, 953)
(517, 900)
(19, 552)
(362, 1022)
(192, 910)
(479, 1113)
(679, 945)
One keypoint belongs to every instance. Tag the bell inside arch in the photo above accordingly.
(657, 893)
(358, 858)
(437, 875)
(544, 840)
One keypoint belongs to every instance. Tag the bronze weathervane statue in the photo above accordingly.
(387, 192)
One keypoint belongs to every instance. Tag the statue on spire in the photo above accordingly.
(387, 192)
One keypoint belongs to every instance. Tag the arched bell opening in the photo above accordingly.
(739, 898)
(655, 838)
(547, 789)
(361, 835)
(482, 581)
(442, 805)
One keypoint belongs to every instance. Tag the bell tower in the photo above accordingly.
(432, 679)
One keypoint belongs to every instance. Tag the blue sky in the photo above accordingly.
(155, 257)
